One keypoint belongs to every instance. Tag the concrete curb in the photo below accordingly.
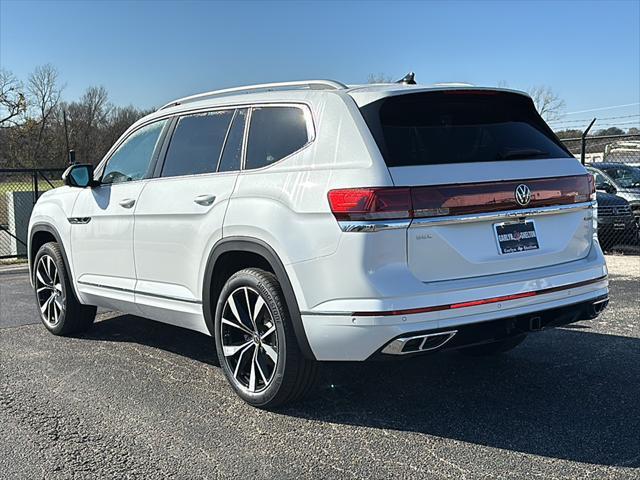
(14, 269)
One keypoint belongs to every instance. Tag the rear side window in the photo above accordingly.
(459, 126)
(275, 132)
(232, 155)
(196, 143)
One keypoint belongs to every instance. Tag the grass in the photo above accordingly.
(27, 186)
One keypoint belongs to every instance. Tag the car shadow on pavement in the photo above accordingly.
(132, 329)
(567, 393)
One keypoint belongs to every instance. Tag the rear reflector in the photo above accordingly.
(457, 199)
(475, 303)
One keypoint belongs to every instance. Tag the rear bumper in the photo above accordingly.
(493, 330)
(358, 335)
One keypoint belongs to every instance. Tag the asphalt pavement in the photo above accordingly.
(138, 399)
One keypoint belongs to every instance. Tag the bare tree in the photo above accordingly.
(33, 133)
(12, 100)
(379, 78)
(87, 119)
(44, 92)
(548, 103)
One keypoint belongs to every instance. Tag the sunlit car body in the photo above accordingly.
(314, 221)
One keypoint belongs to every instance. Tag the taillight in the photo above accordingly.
(388, 203)
(370, 203)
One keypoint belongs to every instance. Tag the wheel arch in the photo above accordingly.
(259, 251)
(40, 234)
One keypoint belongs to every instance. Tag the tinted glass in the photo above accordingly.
(625, 176)
(275, 133)
(132, 159)
(458, 126)
(599, 178)
(232, 155)
(196, 143)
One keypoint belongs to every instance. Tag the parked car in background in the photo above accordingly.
(618, 179)
(616, 224)
(313, 221)
(627, 152)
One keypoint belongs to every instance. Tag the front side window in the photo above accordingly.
(196, 143)
(275, 132)
(132, 159)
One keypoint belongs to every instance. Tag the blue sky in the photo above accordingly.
(147, 53)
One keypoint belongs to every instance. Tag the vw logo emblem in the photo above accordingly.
(523, 195)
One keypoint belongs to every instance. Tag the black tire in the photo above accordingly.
(63, 314)
(494, 348)
(291, 376)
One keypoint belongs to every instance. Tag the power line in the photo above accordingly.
(589, 119)
(597, 125)
(604, 108)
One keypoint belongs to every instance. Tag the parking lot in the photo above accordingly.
(138, 399)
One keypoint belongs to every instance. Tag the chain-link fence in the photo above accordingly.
(19, 191)
(615, 163)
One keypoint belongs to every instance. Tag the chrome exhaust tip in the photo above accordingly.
(597, 308)
(418, 343)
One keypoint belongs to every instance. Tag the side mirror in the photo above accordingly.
(606, 187)
(80, 175)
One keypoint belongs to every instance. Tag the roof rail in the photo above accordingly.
(309, 84)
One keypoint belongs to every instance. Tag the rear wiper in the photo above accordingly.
(521, 153)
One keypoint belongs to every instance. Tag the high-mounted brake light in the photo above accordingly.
(466, 91)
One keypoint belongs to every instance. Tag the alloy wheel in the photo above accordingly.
(49, 290)
(249, 339)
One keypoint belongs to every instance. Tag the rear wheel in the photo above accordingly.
(255, 342)
(60, 310)
(494, 348)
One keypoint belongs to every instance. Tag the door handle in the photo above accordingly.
(127, 202)
(205, 200)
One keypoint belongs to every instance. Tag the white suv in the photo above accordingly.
(311, 221)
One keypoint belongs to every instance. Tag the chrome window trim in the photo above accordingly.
(507, 214)
(304, 106)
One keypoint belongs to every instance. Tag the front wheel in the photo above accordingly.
(255, 342)
(60, 310)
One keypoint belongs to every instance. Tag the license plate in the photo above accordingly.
(516, 237)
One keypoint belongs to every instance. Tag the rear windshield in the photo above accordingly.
(458, 126)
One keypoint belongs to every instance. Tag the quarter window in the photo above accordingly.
(132, 159)
(275, 132)
(197, 143)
